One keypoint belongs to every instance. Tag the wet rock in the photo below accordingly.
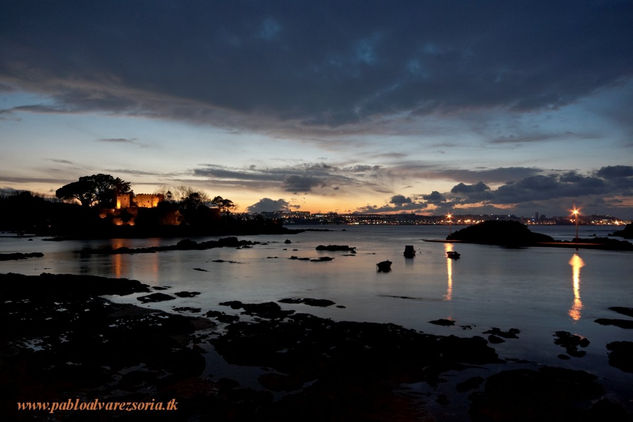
(622, 323)
(336, 248)
(287, 241)
(187, 309)
(495, 340)
(536, 395)
(409, 251)
(570, 342)
(186, 294)
(622, 310)
(269, 310)
(222, 317)
(384, 266)
(308, 301)
(322, 259)
(621, 355)
(272, 257)
(293, 257)
(155, 297)
(511, 333)
(222, 260)
(18, 255)
(469, 384)
(234, 304)
(160, 287)
(201, 269)
(443, 322)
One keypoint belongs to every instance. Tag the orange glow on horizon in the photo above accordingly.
(576, 263)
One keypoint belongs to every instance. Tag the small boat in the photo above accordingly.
(453, 254)
(409, 252)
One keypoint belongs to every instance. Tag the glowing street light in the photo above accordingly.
(576, 212)
(449, 217)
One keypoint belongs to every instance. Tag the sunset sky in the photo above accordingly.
(370, 106)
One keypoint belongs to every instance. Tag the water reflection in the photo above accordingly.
(449, 271)
(118, 263)
(576, 263)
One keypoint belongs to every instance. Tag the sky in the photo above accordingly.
(346, 106)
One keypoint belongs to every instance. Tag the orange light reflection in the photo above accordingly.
(576, 263)
(449, 271)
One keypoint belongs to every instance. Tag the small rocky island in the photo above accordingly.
(506, 233)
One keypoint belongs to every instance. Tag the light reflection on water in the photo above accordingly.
(576, 263)
(449, 271)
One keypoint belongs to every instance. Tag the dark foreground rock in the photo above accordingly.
(155, 297)
(622, 310)
(622, 323)
(570, 342)
(621, 355)
(547, 394)
(626, 233)
(60, 340)
(19, 255)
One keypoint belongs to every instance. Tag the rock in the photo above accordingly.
(18, 255)
(469, 384)
(335, 248)
(160, 287)
(621, 355)
(287, 241)
(409, 251)
(443, 322)
(201, 269)
(186, 294)
(322, 259)
(550, 394)
(511, 333)
(571, 342)
(269, 310)
(222, 317)
(622, 310)
(293, 257)
(187, 309)
(495, 340)
(384, 266)
(234, 304)
(622, 323)
(187, 244)
(155, 297)
(626, 233)
(509, 233)
(308, 301)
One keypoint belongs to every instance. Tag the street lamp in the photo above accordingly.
(449, 217)
(575, 212)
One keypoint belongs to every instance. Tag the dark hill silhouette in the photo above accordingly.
(508, 233)
(626, 233)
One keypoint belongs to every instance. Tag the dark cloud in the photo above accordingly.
(298, 184)
(615, 172)
(463, 188)
(313, 63)
(118, 140)
(399, 200)
(434, 198)
(270, 205)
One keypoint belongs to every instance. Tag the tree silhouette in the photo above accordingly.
(225, 205)
(100, 189)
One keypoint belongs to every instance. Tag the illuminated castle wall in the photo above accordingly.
(142, 200)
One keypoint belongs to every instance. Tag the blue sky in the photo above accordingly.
(346, 106)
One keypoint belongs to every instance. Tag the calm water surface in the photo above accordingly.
(538, 290)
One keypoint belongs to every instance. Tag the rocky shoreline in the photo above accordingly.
(61, 339)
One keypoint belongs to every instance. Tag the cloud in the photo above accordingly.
(118, 140)
(270, 205)
(399, 200)
(312, 65)
(615, 172)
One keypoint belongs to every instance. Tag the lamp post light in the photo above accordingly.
(449, 217)
(576, 212)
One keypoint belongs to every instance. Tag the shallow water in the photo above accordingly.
(538, 290)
